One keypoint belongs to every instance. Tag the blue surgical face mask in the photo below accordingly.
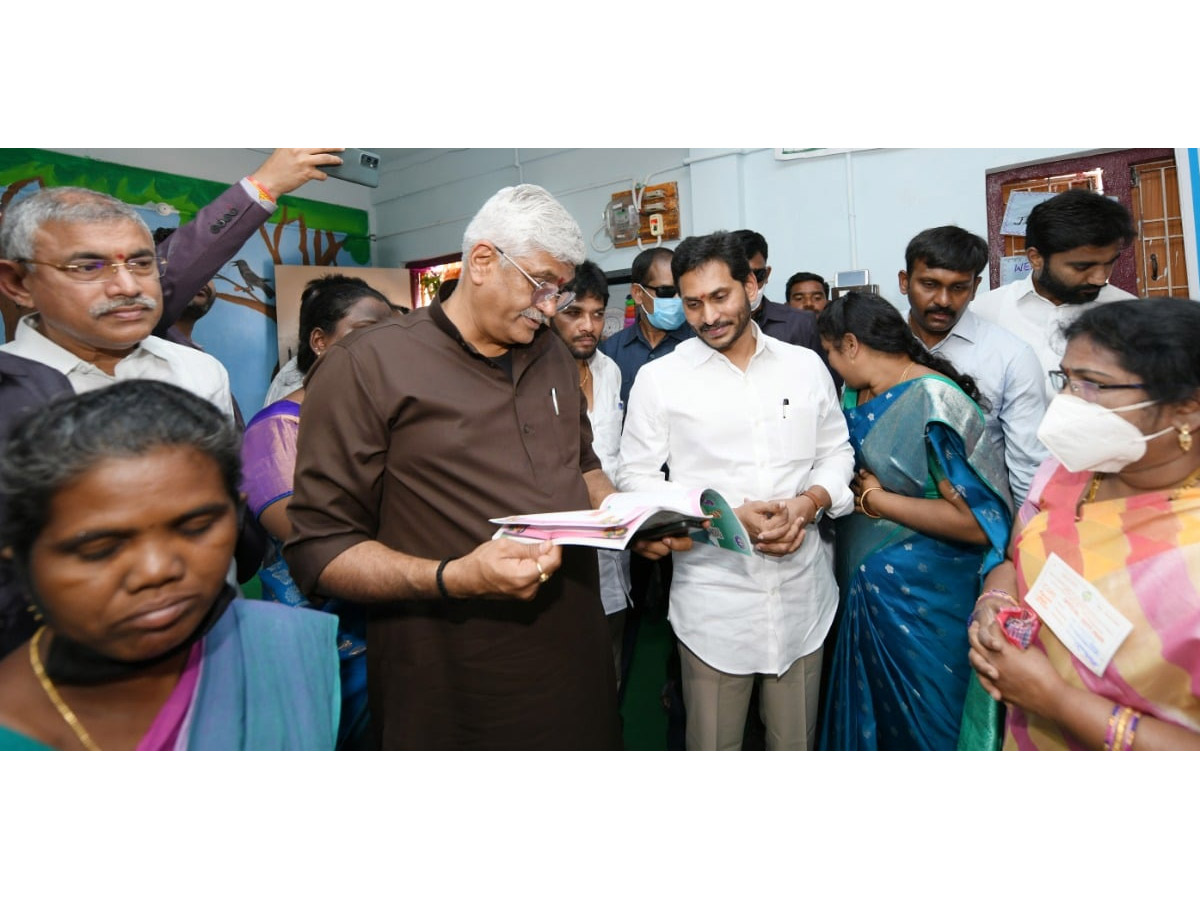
(667, 315)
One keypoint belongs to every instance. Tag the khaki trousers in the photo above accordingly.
(717, 703)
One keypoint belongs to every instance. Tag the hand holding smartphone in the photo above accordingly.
(359, 166)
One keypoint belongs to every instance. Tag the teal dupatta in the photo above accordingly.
(269, 681)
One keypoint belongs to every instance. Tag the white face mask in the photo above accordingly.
(1087, 437)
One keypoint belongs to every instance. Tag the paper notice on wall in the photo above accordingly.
(1016, 211)
(1014, 268)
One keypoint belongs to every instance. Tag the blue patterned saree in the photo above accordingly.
(899, 671)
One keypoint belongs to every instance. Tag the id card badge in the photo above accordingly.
(1079, 615)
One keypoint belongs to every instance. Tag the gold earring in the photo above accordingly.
(35, 612)
(1185, 437)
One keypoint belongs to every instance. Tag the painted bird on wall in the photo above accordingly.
(253, 279)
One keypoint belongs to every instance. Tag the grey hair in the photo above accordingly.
(73, 433)
(24, 219)
(526, 219)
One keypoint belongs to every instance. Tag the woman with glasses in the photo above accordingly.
(1090, 630)
(931, 515)
(122, 519)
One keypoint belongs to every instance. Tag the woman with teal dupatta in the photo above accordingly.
(122, 518)
(932, 515)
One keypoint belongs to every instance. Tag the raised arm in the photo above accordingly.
(198, 249)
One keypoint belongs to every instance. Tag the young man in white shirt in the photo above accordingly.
(941, 274)
(759, 421)
(1073, 241)
(580, 326)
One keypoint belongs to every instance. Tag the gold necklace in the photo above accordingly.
(871, 394)
(35, 661)
(585, 377)
(1189, 482)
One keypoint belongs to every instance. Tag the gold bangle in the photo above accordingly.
(1122, 723)
(862, 503)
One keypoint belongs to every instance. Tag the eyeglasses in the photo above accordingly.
(1088, 390)
(662, 291)
(760, 275)
(92, 270)
(543, 292)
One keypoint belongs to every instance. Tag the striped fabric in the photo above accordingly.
(1143, 554)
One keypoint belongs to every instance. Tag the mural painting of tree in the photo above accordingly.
(143, 187)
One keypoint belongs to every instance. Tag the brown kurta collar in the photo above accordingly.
(523, 355)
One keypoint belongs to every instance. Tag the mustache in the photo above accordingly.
(104, 307)
(707, 328)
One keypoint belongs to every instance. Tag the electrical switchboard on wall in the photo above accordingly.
(654, 215)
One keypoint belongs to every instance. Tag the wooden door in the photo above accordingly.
(1110, 172)
(1161, 262)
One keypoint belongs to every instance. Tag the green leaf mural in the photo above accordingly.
(188, 195)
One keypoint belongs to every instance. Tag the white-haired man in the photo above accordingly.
(416, 432)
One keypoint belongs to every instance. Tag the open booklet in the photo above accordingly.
(704, 515)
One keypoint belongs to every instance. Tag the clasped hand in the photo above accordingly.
(1009, 674)
(776, 526)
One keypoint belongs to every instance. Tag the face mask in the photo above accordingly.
(667, 315)
(1087, 437)
(756, 302)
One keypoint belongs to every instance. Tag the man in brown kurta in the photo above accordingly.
(416, 432)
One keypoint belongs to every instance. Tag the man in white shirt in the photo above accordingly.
(941, 274)
(580, 326)
(759, 421)
(1072, 241)
(85, 265)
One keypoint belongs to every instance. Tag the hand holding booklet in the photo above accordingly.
(704, 515)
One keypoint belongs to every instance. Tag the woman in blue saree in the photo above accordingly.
(932, 515)
(122, 519)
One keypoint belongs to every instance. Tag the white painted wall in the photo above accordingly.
(821, 214)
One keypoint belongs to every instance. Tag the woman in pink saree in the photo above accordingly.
(1114, 518)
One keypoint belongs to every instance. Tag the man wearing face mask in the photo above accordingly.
(778, 320)
(660, 325)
